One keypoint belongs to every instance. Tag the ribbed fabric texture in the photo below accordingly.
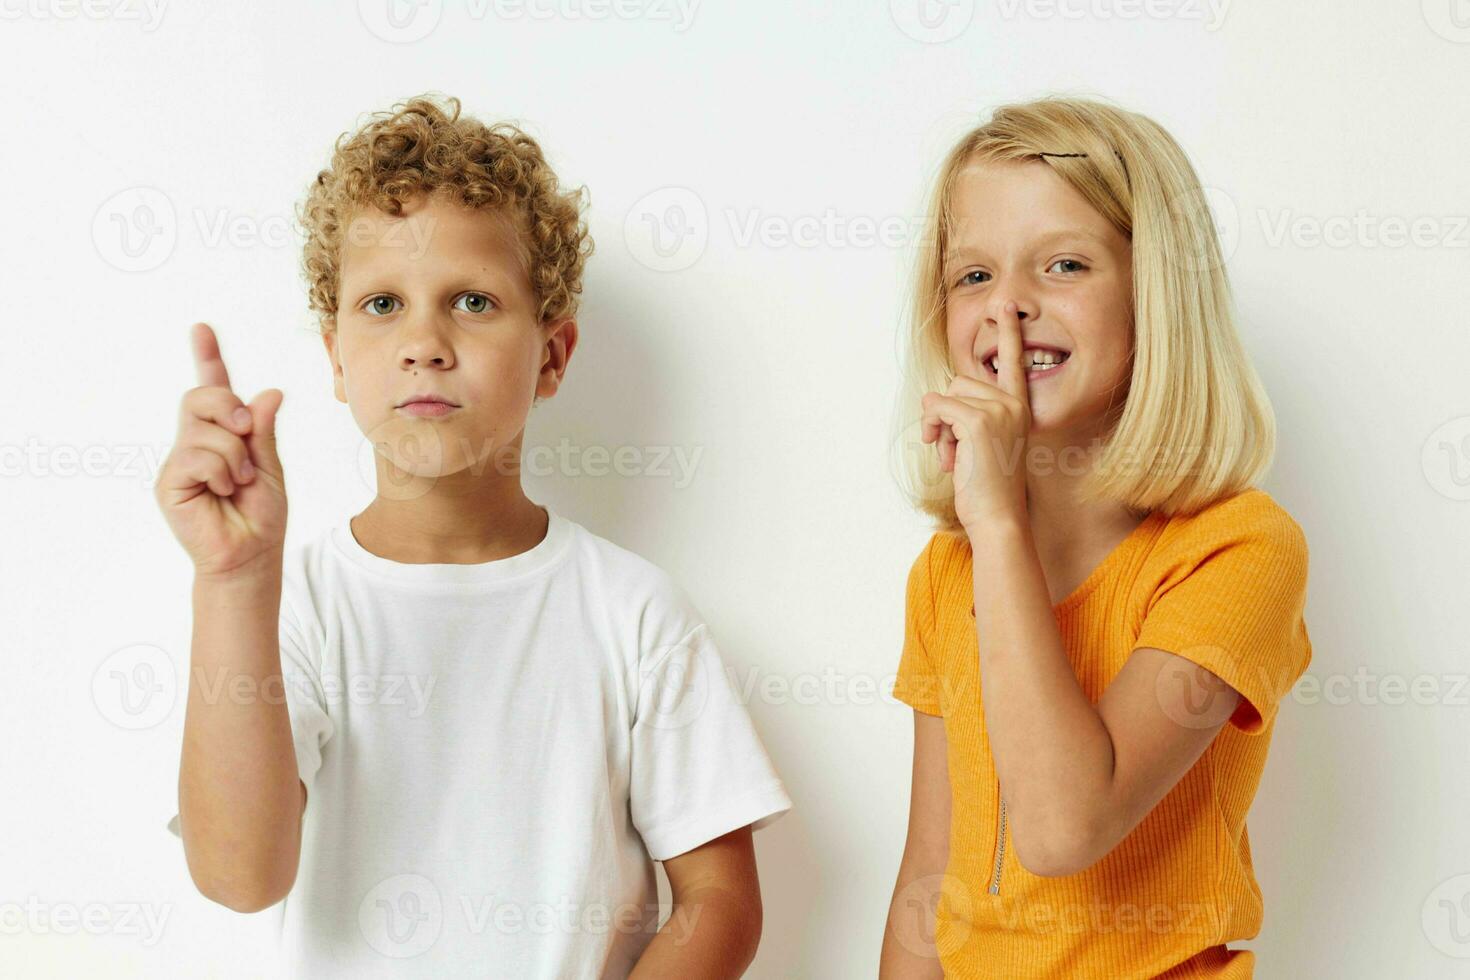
(1225, 588)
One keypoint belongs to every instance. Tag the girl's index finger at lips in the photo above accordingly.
(1008, 352)
(208, 363)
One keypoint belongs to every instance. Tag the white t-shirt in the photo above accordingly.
(494, 752)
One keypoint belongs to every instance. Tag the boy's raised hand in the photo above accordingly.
(221, 488)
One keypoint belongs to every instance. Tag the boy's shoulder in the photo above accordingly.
(631, 585)
(628, 592)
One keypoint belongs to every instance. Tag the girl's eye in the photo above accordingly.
(1078, 264)
(968, 279)
(474, 303)
(374, 306)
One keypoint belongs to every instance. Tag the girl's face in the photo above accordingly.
(1022, 233)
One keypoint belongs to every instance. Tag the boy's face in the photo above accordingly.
(436, 302)
(1023, 233)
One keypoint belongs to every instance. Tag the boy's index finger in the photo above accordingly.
(207, 360)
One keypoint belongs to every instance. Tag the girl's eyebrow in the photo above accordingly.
(1059, 234)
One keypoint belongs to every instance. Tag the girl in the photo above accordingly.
(1099, 632)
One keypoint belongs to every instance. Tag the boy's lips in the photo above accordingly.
(428, 409)
(427, 406)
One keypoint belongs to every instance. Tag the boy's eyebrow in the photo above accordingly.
(1055, 235)
(482, 280)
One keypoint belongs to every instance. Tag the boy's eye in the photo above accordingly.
(375, 305)
(1078, 264)
(469, 302)
(474, 303)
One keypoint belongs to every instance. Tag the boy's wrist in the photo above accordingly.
(262, 571)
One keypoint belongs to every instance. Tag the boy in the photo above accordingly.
(475, 722)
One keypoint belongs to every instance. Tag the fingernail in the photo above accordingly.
(242, 416)
(247, 471)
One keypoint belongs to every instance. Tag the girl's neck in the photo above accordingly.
(1067, 529)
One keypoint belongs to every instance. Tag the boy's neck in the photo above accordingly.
(453, 530)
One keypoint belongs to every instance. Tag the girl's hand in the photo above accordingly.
(981, 429)
(221, 489)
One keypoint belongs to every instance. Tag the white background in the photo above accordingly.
(1323, 132)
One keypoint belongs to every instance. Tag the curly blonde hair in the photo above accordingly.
(423, 147)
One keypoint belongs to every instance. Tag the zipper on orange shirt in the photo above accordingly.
(1000, 844)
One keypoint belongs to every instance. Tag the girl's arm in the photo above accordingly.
(1076, 778)
(909, 952)
(715, 926)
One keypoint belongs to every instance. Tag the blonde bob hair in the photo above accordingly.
(1196, 425)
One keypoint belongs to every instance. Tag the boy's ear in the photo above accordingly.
(329, 338)
(561, 340)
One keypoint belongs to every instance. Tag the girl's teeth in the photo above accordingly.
(1040, 361)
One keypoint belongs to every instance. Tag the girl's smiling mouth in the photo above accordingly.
(1042, 361)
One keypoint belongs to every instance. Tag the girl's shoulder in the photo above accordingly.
(1251, 519)
(946, 553)
(939, 579)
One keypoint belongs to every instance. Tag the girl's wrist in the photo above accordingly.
(987, 528)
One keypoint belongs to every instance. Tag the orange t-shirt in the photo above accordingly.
(1224, 588)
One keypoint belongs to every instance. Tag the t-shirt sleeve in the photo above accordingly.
(1232, 601)
(698, 768)
(917, 683)
(306, 701)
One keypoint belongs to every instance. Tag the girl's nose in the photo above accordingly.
(1025, 309)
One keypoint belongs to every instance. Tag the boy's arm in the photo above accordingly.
(240, 798)
(223, 493)
(715, 925)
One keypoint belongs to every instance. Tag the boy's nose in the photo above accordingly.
(425, 347)
(426, 352)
